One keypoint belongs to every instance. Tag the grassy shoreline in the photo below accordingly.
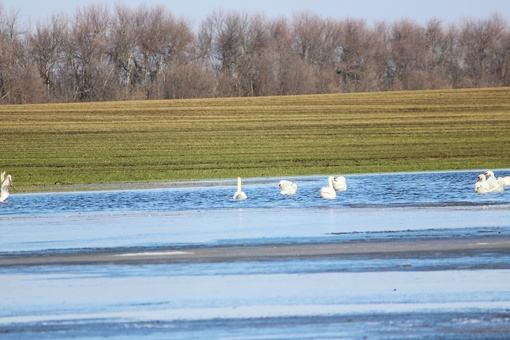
(55, 145)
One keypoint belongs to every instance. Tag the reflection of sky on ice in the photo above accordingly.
(244, 226)
(201, 296)
(101, 299)
(113, 300)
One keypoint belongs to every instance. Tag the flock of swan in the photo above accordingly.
(335, 184)
(487, 182)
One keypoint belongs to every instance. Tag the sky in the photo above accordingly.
(420, 11)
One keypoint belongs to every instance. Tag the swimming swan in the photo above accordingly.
(339, 183)
(482, 186)
(287, 187)
(6, 183)
(500, 181)
(239, 194)
(495, 185)
(328, 192)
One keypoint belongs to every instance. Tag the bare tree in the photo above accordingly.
(358, 64)
(485, 50)
(307, 39)
(293, 74)
(189, 80)
(406, 57)
(440, 56)
(11, 54)
(88, 65)
(259, 79)
(46, 48)
(328, 56)
(122, 49)
(162, 41)
(223, 44)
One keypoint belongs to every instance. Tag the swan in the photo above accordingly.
(495, 185)
(239, 194)
(482, 186)
(328, 192)
(502, 181)
(6, 183)
(339, 183)
(287, 187)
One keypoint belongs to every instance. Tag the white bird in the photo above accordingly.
(287, 187)
(6, 183)
(502, 181)
(239, 194)
(339, 183)
(495, 185)
(482, 186)
(328, 192)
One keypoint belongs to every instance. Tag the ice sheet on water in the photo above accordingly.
(240, 226)
(45, 297)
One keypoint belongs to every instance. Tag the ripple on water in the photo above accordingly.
(380, 190)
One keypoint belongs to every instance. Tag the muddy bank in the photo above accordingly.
(395, 248)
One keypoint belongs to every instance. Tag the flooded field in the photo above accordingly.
(411, 255)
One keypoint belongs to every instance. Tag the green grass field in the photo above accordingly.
(255, 137)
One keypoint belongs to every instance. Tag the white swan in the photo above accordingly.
(239, 194)
(482, 186)
(339, 183)
(287, 187)
(328, 192)
(6, 183)
(495, 185)
(501, 181)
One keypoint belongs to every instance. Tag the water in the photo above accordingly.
(451, 294)
(384, 190)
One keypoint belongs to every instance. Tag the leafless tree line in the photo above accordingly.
(147, 53)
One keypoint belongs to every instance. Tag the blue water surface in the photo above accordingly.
(450, 188)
